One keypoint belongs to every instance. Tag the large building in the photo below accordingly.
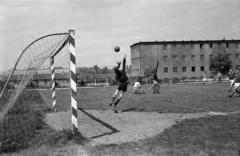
(181, 58)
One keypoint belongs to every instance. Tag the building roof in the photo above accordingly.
(184, 42)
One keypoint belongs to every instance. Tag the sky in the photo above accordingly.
(102, 24)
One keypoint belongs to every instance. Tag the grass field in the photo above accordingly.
(212, 135)
(208, 136)
(177, 98)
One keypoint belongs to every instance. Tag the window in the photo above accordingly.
(174, 57)
(202, 57)
(202, 68)
(227, 45)
(192, 57)
(237, 67)
(192, 46)
(184, 69)
(237, 56)
(165, 69)
(164, 46)
(183, 57)
(219, 45)
(210, 45)
(193, 69)
(210, 68)
(236, 45)
(229, 56)
(174, 69)
(210, 57)
(201, 45)
(164, 58)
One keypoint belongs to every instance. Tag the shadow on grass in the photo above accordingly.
(133, 110)
(114, 130)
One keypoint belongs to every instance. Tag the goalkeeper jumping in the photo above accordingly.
(122, 82)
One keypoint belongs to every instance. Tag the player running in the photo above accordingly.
(236, 84)
(156, 85)
(122, 81)
(204, 78)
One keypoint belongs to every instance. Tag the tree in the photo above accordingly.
(148, 72)
(105, 70)
(98, 70)
(221, 63)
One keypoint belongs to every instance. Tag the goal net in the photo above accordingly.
(31, 66)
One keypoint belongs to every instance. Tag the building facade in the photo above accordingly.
(181, 58)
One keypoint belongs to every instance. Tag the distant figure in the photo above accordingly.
(122, 81)
(219, 77)
(137, 88)
(204, 78)
(236, 84)
(156, 85)
(231, 76)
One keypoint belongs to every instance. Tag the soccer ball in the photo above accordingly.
(116, 49)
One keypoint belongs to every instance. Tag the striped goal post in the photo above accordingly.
(73, 81)
(53, 84)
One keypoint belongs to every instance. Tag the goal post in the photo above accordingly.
(73, 80)
(53, 82)
(42, 53)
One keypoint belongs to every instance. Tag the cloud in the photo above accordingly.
(102, 24)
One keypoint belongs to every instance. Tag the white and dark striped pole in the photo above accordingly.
(73, 80)
(53, 83)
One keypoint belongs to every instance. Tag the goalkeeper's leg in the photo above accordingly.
(117, 101)
(114, 97)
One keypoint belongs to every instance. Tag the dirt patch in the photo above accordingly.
(106, 127)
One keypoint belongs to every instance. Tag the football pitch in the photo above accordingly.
(178, 98)
(175, 122)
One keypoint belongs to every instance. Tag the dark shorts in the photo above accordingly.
(123, 86)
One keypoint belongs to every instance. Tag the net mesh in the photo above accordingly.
(32, 66)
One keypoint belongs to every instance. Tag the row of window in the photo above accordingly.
(193, 57)
(136, 69)
(193, 69)
(219, 45)
(184, 69)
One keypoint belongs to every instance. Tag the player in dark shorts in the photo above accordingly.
(236, 84)
(122, 82)
(156, 85)
(231, 76)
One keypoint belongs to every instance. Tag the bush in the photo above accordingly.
(166, 80)
(183, 79)
(176, 80)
